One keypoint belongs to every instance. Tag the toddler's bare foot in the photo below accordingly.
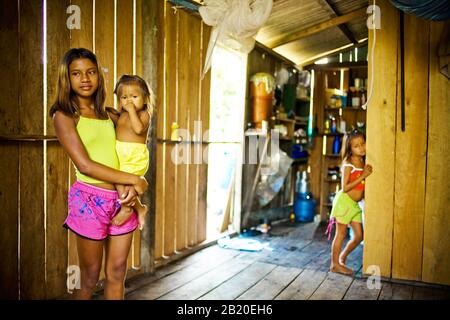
(341, 269)
(124, 214)
(142, 212)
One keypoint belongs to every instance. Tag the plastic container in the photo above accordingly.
(304, 208)
(262, 87)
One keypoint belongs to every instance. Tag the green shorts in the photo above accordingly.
(345, 210)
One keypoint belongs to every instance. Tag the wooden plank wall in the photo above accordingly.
(436, 240)
(9, 151)
(406, 221)
(410, 155)
(36, 174)
(180, 188)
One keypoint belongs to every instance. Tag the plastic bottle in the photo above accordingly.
(342, 126)
(336, 145)
(174, 136)
(333, 125)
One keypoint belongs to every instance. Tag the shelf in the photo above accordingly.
(300, 161)
(328, 204)
(286, 138)
(285, 119)
(333, 155)
(332, 181)
(330, 134)
(304, 99)
(255, 133)
(343, 109)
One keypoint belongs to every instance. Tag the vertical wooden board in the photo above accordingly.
(436, 242)
(137, 34)
(83, 37)
(104, 44)
(58, 42)
(315, 163)
(9, 151)
(194, 79)
(124, 62)
(379, 202)
(160, 123)
(138, 38)
(32, 231)
(159, 205)
(171, 199)
(162, 76)
(31, 71)
(56, 243)
(9, 173)
(205, 84)
(124, 59)
(410, 157)
(72, 255)
(9, 67)
(184, 96)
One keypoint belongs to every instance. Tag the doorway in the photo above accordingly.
(228, 85)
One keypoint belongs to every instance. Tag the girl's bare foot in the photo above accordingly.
(341, 269)
(342, 259)
(123, 215)
(142, 212)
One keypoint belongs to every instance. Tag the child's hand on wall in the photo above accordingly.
(367, 170)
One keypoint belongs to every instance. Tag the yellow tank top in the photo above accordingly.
(99, 140)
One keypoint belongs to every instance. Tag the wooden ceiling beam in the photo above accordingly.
(317, 28)
(343, 27)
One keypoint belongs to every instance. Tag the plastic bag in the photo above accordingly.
(234, 22)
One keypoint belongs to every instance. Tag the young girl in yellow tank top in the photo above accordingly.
(132, 123)
(86, 132)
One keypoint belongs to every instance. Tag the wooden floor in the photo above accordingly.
(296, 268)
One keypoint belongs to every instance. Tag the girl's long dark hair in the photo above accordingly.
(346, 151)
(65, 98)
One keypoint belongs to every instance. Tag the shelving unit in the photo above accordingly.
(339, 80)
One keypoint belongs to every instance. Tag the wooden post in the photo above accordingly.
(151, 63)
(381, 128)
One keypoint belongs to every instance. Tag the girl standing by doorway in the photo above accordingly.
(345, 210)
(87, 134)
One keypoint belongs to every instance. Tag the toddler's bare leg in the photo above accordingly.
(125, 211)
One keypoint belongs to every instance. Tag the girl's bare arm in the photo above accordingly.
(69, 139)
(139, 122)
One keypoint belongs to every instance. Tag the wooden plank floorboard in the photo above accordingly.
(271, 285)
(208, 281)
(162, 286)
(424, 293)
(241, 282)
(360, 291)
(303, 286)
(309, 253)
(333, 287)
(392, 291)
(144, 279)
